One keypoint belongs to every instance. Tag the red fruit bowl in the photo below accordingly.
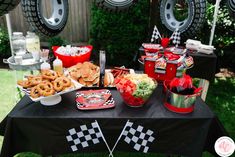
(69, 61)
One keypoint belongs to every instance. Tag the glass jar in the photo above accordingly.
(33, 45)
(18, 44)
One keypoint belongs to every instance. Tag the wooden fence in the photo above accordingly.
(76, 29)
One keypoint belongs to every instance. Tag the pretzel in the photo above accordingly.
(45, 89)
(24, 83)
(66, 81)
(58, 85)
(35, 80)
(61, 83)
(50, 75)
(34, 92)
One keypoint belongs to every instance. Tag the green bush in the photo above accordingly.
(5, 49)
(224, 38)
(55, 41)
(119, 34)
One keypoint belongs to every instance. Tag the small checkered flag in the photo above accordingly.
(136, 136)
(155, 34)
(175, 37)
(86, 136)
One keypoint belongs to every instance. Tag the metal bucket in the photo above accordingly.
(28, 63)
(179, 103)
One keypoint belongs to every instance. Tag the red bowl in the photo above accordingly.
(69, 61)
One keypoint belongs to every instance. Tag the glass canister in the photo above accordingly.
(18, 44)
(33, 45)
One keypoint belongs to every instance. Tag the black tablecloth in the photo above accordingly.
(204, 65)
(33, 127)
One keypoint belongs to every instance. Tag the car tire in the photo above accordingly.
(115, 5)
(191, 25)
(231, 7)
(7, 5)
(46, 26)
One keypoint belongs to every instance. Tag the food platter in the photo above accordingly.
(88, 74)
(47, 87)
(52, 99)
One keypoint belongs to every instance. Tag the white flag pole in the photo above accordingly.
(110, 152)
(214, 21)
(120, 136)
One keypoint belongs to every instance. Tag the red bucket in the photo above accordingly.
(69, 61)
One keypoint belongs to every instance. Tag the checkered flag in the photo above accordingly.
(86, 136)
(155, 34)
(136, 136)
(175, 37)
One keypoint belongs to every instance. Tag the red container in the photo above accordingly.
(69, 61)
(168, 74)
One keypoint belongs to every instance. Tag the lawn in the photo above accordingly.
(221, 99)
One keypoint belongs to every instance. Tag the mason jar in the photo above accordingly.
(18, 44)
(33, 45)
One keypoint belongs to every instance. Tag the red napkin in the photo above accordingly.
(181, 84)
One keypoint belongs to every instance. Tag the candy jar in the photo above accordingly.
(18, 44)
(58, 65)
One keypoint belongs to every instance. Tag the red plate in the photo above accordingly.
(94, 99)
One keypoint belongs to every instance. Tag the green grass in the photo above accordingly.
(221, 99)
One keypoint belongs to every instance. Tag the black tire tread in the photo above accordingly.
(231, 8)
(34, 18)
(7, 5)
(107, 7)
(197, 22)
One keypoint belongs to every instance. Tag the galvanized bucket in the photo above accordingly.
(179, 103)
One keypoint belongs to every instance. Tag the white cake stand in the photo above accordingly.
(51, 101)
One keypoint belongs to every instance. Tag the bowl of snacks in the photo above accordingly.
(135, 89)
(70, 55)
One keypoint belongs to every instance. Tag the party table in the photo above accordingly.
(33, 127)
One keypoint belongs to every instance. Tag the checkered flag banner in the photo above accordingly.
(86, 135)
(176, 37)
(155, 34)
(136, 136)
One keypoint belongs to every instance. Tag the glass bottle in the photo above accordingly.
(33, 45)
(18, 44)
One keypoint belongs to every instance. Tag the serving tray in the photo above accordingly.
(94, 99)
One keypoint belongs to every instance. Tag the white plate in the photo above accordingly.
(51, 97)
